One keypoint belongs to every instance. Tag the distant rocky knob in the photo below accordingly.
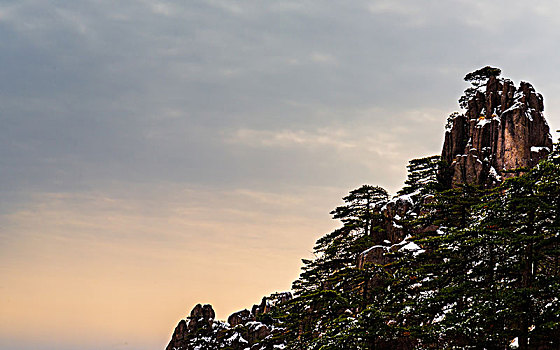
(201, 331)
(240, 317)
(205, 312)
(200, 322)
(201, 317)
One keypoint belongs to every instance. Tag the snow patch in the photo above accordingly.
(494, 174)
(413, 247)
(482, 122)
(538, 149)
(514, 343)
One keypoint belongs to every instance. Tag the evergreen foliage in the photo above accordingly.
(479, 75)
(331, 288)
(486, 269)
(422, 176)
(477, 79)
(489, 273)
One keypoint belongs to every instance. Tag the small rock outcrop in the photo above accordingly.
(502, 129)
(199, 325)
(242, 331)
(201, 317)
(268, 303)
(240, 317)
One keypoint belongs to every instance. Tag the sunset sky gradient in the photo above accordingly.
(158, 154)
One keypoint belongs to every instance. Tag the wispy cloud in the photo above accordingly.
(384, 134)
(402, 8)
(323, 58)
(163, 8)
(331, 138)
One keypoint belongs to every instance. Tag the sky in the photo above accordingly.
(159, 154)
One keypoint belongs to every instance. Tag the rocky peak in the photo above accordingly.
(200, 321)
(502, 129)
(202, 313)
(242, 331)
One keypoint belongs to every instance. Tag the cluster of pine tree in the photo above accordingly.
(485, 273)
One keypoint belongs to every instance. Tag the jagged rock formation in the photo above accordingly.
(502, 129)
(201, 323)
(242, 331)
(241, 317)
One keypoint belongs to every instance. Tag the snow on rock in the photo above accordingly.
(413, 247)
(539, 149)
(504, 126)
(242, 331)
(514, 343)
(482, 122)
(493, 173)
(269, 302)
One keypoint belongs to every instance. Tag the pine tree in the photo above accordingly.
(489, 273)
(477, 79)
(529, 275)
(331, 289)
(337, 250)
(422, 176)
(434, 284)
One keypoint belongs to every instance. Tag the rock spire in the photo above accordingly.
(502, 129)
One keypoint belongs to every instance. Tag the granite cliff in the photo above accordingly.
(502, 129)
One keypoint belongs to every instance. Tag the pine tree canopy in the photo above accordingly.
(485, 270)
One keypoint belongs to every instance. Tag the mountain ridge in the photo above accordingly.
(501, 135)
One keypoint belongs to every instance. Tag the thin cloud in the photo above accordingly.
(330, 138)
(401, 8)
(323, 58)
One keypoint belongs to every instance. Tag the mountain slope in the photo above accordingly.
(467, 255)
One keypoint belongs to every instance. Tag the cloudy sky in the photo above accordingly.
(157, 154)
